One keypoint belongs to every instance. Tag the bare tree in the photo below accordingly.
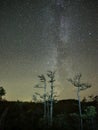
(49, 97)
(51, 75)
(43, 79)
(76, 81)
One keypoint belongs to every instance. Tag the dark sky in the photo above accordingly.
(41, 35)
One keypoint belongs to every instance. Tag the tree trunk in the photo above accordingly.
(45, 100)
(51, 105)
(80, 111)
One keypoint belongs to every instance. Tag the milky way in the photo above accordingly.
(37, 36)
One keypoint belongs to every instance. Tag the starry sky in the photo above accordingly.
(41, 35)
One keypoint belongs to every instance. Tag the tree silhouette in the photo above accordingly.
(51, 75)
(76, 81)
(43, 79)
(2, 92)
(49, 97)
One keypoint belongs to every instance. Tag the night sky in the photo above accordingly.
(41, 35)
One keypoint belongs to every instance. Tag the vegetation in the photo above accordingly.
(76, 81)
(29, 115)
(63, 114)
(2, 92)
(51, 75)
(43, 79)
(48, 97)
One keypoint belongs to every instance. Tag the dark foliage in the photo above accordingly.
(29, 116)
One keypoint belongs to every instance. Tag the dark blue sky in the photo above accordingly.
(38, 35)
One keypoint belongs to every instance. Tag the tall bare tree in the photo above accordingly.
(51, 75)
(43, 79)
(76, 81)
